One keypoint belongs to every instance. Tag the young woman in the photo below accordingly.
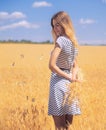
(63, 65)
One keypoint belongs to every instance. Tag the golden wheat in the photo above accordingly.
(24, 88)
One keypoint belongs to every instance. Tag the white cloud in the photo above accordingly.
(41, 4)
(24, 24)
(14, 15)
(87, 21)
(3, 15)
(17, 15)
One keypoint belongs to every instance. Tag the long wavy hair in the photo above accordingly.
(63, 19)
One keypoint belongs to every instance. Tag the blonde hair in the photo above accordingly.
(64, 20)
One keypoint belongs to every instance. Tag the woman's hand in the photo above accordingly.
(74, 78)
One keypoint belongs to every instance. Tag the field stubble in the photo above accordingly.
(24, 88)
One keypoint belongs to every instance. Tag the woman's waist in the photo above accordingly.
(68, 69)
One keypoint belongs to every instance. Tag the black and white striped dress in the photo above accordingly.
(59, 86)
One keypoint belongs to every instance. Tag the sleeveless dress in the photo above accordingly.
(59, 86)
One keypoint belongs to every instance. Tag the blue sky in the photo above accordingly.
(30, 19)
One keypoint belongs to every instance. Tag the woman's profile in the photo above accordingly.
(64, 68)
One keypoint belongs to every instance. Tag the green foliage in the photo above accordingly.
(23, 41)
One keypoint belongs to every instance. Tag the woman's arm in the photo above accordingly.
(52, 63)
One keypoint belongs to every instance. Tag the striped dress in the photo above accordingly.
(59, 86)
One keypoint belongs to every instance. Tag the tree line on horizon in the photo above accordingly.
(25, 41)
(43, 42)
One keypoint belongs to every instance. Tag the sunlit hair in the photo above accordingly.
(63, 19)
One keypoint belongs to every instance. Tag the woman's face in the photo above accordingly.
(58, 29)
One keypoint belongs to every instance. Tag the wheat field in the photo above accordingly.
(24, 87)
